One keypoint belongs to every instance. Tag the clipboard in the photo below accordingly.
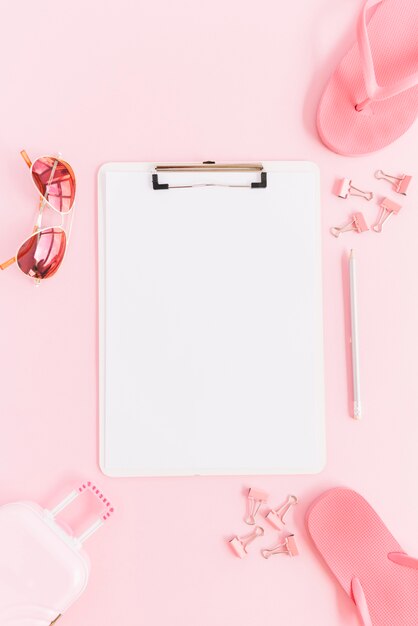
(210, 319)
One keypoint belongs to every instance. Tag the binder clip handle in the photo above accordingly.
(277, 516)
(239, 544)
(387, 209)
(255, 499)
(400, 183)
(346, 188)
(380, 174)
(288, 546)
(357, 223)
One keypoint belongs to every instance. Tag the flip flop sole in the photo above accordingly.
(392, 29)
(355, 543)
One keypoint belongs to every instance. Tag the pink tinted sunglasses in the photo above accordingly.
(41, 254)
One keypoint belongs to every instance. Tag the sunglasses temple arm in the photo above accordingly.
(26, 158)
(6, 264)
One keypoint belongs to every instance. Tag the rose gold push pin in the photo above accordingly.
(357, 223)
(276, 516)
(345, 188)
(239, 544)
(288, 546)
(400, 183)
(387, 208)
(255, 499)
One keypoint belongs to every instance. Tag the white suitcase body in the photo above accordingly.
(43, 568)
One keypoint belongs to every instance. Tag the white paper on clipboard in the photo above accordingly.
(210, 299)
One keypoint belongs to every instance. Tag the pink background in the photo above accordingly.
(187, 80)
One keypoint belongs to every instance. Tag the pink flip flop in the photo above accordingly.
(372, 98)
(364, 557)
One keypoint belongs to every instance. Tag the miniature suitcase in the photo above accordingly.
(43, 568)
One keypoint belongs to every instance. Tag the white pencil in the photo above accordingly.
(354, 338)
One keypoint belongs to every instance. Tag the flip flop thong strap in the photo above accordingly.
(403, 559)
(359, 597)
(374, 90)
(361, 602)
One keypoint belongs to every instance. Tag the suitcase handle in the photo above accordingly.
(107, 511)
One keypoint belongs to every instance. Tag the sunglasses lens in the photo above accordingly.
(55, 181)
(41, 255)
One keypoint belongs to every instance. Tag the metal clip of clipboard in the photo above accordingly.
(211, 166)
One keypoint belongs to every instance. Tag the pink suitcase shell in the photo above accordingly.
(43, 568)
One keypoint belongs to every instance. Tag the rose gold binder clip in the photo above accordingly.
(357, 223)
(288, 546)
(255, 499)
(276, 516)
(400, 183)
(387, 208)
(239, 544)
(345, 188)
